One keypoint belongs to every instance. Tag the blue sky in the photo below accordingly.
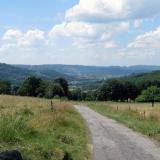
(87, 32)
(42, 14)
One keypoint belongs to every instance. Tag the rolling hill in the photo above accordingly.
(152, 76)
(16, 74)
(90, 76)
(77, 75)
(91, 72)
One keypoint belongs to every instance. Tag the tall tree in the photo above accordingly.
(131, 91)
(54, 89)
(30, 87)
(151, 94)
(75, 94)
(111, 90)
(64, 84)
(5, 87)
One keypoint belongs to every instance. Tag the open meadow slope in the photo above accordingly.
(29, 125)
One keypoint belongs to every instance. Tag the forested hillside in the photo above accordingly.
(142, 87)
(153, 76)
(92, 72)
(86, 77)
(16, 74)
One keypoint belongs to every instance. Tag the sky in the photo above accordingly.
(85, 32)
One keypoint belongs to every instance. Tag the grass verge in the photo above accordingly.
(139, 117)
(28, 125)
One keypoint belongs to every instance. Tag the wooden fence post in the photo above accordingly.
(52, 106)
(144, 114)
(117, 108)
(129, 108)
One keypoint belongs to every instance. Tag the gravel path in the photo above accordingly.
(113, 141)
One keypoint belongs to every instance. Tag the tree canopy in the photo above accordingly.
(54, 89)
(5, 87)
(64, 84)
(151, 94)
(30, 87)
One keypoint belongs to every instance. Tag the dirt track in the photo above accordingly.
(113, 141)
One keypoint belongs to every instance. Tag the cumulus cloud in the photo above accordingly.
(87, 34)
(21, 47)
(149, 40)
(144, 48)
(30, 38)
(76, 29)
(102, 11)
(12, 34)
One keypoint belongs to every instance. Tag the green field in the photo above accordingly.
(29, 125)
(140, 117)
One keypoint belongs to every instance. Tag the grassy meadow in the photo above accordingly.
(141, 117)
(29, 125)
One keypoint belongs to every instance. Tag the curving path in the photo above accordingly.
(113, 141)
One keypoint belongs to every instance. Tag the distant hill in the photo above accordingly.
(91, 76)
(152, 76)
(16, 74)
(13, 74)
(78, 71)
(81, 76)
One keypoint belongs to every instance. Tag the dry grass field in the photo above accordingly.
(29, 125)
(143, 109)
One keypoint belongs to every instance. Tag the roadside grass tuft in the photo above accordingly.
(14, 129)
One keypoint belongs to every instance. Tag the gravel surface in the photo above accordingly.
(113, 141)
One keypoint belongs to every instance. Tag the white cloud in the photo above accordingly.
(144, 48)
(86, 35)
(112, 10)
(30, 38)
(22, 47)
(149, 40)
(76, 29)
(110, 44)
(12, 34)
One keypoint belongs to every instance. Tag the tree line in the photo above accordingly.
(122, 90)
(36, 87)
(111, 90)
